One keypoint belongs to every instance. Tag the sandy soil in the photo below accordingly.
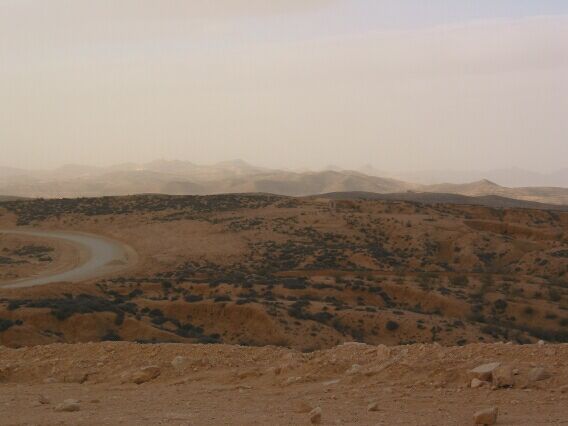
(90, 256)
(222, 384)
(64, 256)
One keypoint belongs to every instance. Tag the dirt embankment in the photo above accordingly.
(117, 383)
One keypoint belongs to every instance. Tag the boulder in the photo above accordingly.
(486, 417)
(42, 399)
(179, 363)
(485, 372)
(373, 406)
(145, 374)
(503, 377)
(537, 374)
(476, 383)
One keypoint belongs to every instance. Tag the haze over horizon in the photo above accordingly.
(402, 86)
(509, 177)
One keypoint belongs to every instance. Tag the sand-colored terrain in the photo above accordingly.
(25, 256)
(278, 291)
(90, 256)
(301, 273)
(353, 384)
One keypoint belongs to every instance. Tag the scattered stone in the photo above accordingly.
(292, 380)
(537, 374)
(42, 399)
(563, 389)
(486, 417)
(145, 374)
(503, 377)
(179, 363)
(355, 368)
(476, 383)
(485, 372)
(315, 416)
(69, 405)
(540, 343)
(373, 406)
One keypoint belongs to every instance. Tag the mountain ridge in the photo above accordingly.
(179, 177)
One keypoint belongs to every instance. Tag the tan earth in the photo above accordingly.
(357, 384)
(284, 287)
(24, 256)
(301, 273)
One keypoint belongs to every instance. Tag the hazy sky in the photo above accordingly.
(400, 84)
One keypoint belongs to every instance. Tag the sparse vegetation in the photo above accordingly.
(304, 270)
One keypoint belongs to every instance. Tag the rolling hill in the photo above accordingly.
(495, 201)
(186, 178)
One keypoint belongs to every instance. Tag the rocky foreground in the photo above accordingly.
(127, 383)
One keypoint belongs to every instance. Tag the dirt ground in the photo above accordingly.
(222, 384)
(26, 256)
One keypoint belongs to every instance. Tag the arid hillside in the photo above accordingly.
(300, 273)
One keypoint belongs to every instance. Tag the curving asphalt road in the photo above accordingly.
(102, 256)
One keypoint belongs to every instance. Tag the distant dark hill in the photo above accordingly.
(10, 198)
(495, 201)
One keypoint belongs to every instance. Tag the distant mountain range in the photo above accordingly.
(184, 178)
(512, 177)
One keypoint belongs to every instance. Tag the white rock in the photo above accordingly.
(485, 372)
(179, 363)
(537, 374)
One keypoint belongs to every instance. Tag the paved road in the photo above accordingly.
(102, 256)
